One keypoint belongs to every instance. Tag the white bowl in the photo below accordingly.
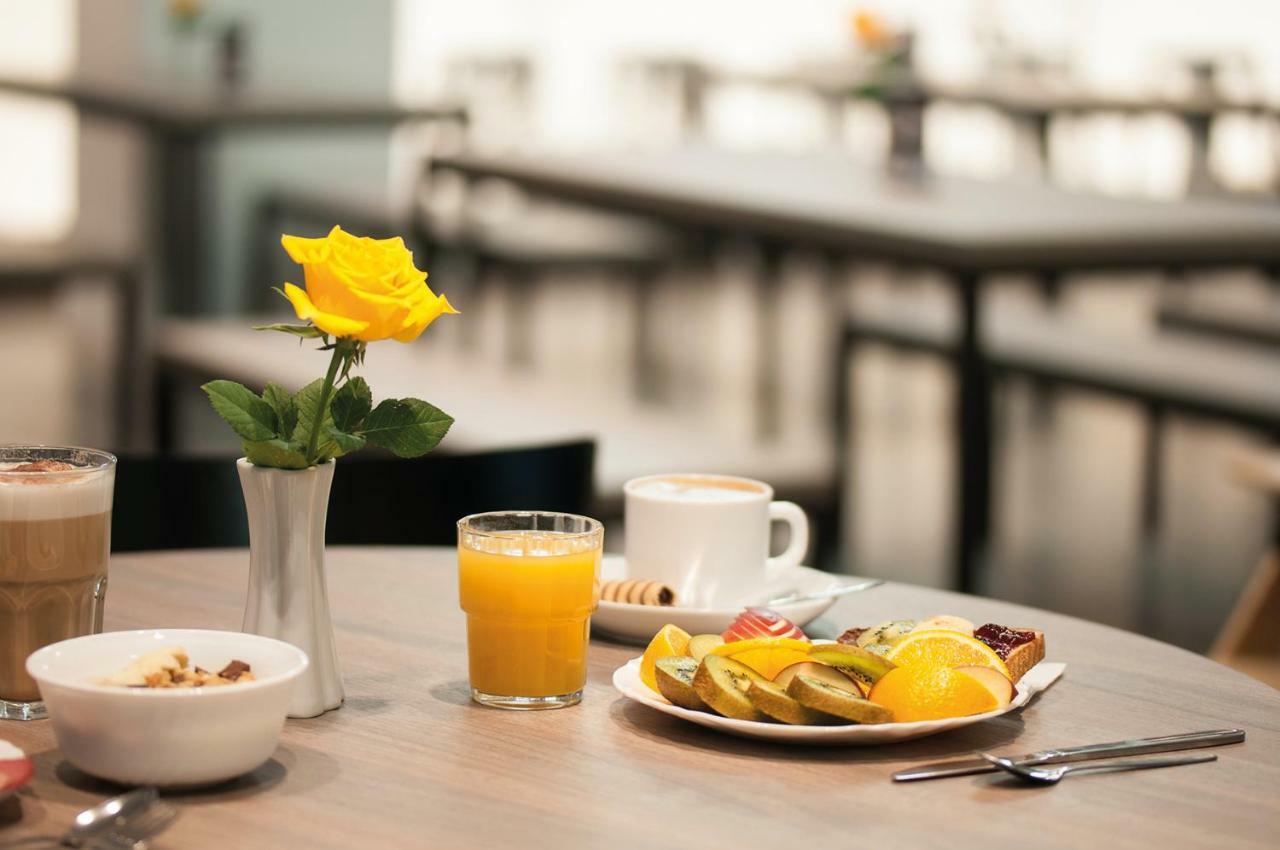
(176, 736)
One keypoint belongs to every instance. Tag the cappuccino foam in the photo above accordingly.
(699, 490)
(83, 491)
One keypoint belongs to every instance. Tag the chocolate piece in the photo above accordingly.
(1003, 639)
(234, 670)
(850, 636)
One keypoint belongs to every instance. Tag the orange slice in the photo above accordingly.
(921, 692)
(670, 640)
(767, 656)
(940, 648)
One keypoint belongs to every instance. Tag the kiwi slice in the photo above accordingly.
(819, 671)
(700, 645)
(821, 696)
(853, 661)
(674, 675)
(722, 683)
(771, 699)
(888, 632)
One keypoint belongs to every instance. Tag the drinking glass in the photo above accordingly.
(528, 582)
(55, 538)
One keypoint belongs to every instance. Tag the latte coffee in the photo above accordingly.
(55, 536)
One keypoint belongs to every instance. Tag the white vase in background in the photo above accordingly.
(287, 597)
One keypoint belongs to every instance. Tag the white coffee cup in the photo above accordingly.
(707, 536)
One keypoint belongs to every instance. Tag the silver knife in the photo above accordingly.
(1165, 744)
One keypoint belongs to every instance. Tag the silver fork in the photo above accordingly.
(132, 833)
(1052, 774)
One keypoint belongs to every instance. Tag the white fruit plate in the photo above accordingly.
(627, 680)
(639, 623)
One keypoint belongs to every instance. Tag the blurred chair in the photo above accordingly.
(1250, 638)
(1181, 311)
(187, 502)
(1164, 375)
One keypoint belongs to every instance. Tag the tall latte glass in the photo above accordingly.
(55, 536)
(528, 582)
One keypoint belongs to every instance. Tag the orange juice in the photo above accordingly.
(528, 597)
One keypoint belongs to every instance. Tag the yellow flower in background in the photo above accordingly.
(870, 31)
(366, 289)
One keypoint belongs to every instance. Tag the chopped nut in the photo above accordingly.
(234, 670)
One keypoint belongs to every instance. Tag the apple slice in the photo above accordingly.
(700, 645)
(822, 672)
(991, 679)
(853, 661)
(761, 622)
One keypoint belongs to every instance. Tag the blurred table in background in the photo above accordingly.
(179, 124)
(968, 229)
(1033, 101)
(496, 407)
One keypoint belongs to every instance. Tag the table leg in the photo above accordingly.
(768, 374)
(844, 447)
(1200, 180)
(1151, 487)
(128, 305)
(973, 435)
(177, 227)
(645, 382)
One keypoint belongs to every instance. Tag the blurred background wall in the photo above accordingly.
(574, 75)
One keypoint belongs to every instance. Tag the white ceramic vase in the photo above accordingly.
(287, 596)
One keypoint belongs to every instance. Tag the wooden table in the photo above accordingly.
(410, 762)
(966, 228)
(180, 122)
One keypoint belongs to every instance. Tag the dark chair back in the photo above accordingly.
(189, 503)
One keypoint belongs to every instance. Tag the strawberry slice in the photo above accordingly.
(14, 772)
(761, 622)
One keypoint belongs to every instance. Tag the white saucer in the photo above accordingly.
(626, 679)
(639, 623)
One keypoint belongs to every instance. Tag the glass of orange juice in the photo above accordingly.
(528, 582)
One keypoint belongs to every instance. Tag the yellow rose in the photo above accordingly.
(367, 289)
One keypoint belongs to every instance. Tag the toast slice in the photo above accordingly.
(1025, 656)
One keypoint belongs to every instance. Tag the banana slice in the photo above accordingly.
(945, 622)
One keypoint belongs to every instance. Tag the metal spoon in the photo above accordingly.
(131, 831)
(105, 816)
(795, 596)
(1053, 774)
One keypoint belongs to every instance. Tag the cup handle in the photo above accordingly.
(794, 516)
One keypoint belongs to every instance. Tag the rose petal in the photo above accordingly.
(327, 322)
(422, 316)
(303, 250)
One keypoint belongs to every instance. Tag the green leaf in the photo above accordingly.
(278, 454)
(308, 403)
(345, 443)
(297, 330)
(351, 404)
(249, 416)
(281, 401)
(408, 427)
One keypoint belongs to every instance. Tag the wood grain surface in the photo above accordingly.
(410, 762)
